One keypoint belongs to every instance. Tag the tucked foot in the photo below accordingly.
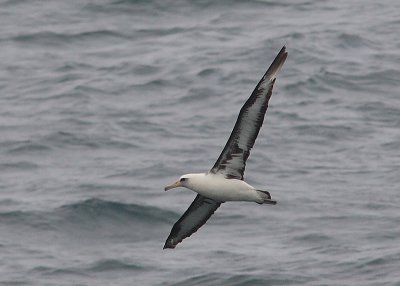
(266, 197)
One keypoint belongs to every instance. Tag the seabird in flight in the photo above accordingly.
(224, 182)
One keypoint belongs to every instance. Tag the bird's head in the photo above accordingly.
(182, 182)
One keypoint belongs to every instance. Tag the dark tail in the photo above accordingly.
(266, 197)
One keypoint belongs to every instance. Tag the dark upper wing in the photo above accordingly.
(196, 215)
(232, 161)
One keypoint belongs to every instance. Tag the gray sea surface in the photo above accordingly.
(103, 103)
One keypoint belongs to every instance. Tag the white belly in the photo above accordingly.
(218, 188)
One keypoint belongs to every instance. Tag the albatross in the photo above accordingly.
(224, 182)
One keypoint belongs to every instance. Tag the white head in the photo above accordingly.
(184, 181)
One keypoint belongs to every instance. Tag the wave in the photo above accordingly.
(347, 40)
(102, 265)
(20, 165)
(112, 265)
(93, 141)
(327, 132)
(239, 279)
(97, 209)
(56, 39)
(27, 146)
(92, 212)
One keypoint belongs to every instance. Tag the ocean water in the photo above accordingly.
(103, 103)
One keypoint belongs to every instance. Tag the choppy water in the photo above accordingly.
(102, 103)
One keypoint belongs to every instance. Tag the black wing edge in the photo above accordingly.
(196, 208)
(269, 75)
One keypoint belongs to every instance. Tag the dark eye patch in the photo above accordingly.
(182, 180)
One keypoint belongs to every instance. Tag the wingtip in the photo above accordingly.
(169, 244)
(277, 64)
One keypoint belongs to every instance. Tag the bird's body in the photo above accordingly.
(220, 189)
(224, 182)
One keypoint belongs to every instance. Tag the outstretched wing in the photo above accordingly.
(195, 216)
(232, 161)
